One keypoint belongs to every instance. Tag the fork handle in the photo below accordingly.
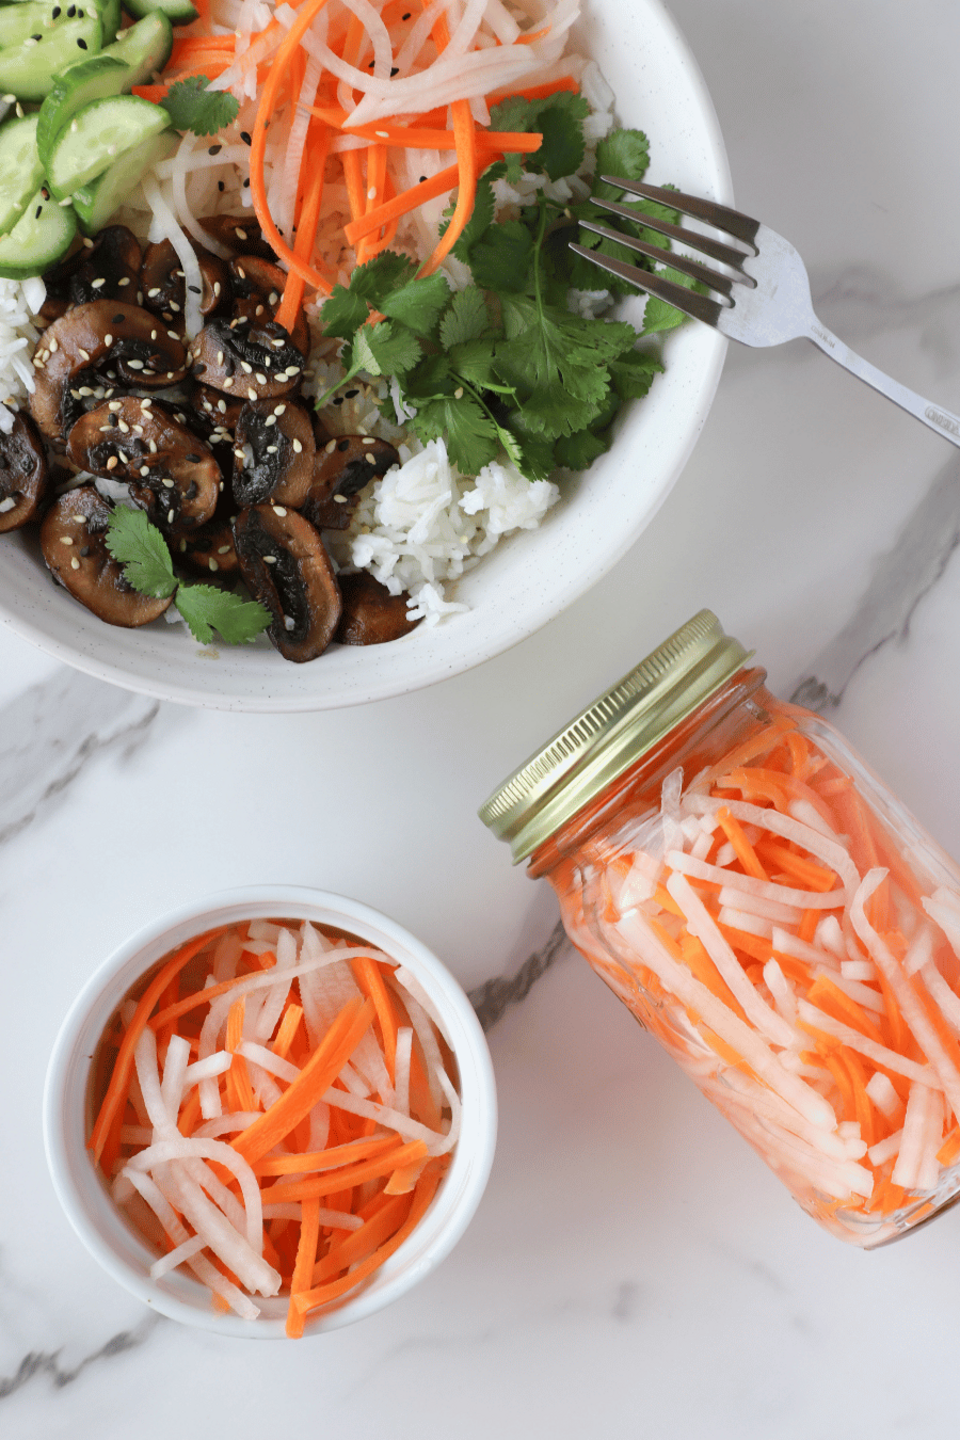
(933, 416)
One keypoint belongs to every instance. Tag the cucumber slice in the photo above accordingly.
(90, 80)
(97, 202)
(145, 47)
(110, 17)
(21, 172)
(140, 51)
(180, 12)
(99, 134)
(38, 240)
(29, 67)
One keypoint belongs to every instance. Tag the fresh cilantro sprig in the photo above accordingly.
(140, 548)
(192, 106)
(505, 365)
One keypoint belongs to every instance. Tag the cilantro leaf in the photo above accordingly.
(464, 319)
(501, 258)
(481, 216)
(205, 609)
(473, 362)
(469, 431)
(624, 153)
(431, 377)
(375, 279)
(142, 551)
(578, 451)
(633, 373)
(418, 304)
(191, 106)
(659, 315)
(562, 147)
(384, 349)
(343, 313)
(557, 363)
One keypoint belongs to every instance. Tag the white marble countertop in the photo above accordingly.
(633, 1269)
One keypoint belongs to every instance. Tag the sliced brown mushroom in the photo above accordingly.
(274, 452)
(286, 568)
(371, 615)
(163, 286)
(171, 473)
(257, 289)
(105, 268)
(73, 545)
(24, 474)
(247, 360)
(210, 549)
(341, 470)
(218, 410)
(90, 349)
(239, 233)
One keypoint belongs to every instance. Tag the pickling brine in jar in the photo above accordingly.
(771, 913)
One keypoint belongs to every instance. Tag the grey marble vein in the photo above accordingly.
(494, 997)
(900, 580)
(46, 1364)
(52, 729)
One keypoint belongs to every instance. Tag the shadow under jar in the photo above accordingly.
(771, 913)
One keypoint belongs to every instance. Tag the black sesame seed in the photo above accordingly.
(221, 186)
(82, 44)
(36, 37)
(246, 185)
(192, 459)
(38, 212)
(119, 319)
(405, 17)
(344, 445)
(56, 12)
(245, 138)
(84, 550)
(71, 12)
(394, 71)
(349, 394)
(194, 289)
(214, 149)
(423, 179)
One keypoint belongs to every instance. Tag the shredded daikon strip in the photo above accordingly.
(267, 1060)
(701, 924)
(751, 924)
(916, 1168)
(226, 1124)
(205, 1272)
(748, 886)
(216, 1064)
(870, 999)
(171, 230)
(940, 992)
(788, 944)
(880, 1054)
(632, 936)
(885, 1149)
(732, 895)
(437, 1144)
(881, 1093)
(911, 1008)
(193, 1148)
(829, 936)
(402, 1068)
(174, 1074)
(176, 1257)
(920, 950)
(822, 847)
(427, 1036)
(858, 970)
(782, 992)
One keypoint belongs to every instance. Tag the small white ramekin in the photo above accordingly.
(67, 1110)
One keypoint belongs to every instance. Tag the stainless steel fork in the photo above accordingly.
(764, 291)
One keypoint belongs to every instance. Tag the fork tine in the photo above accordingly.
(741, 227)
(721, 283)
(699, 307)
(714, 249)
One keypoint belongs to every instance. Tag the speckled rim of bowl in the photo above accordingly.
(84, 1197)
(660, 88)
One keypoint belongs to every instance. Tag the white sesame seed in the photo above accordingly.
(297, 447)
(74, 563)
(213, 564)
(66, 540)
(279, 510)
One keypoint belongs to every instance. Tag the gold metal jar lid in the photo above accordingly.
(611, 733)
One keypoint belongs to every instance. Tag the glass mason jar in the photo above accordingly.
(771, 913)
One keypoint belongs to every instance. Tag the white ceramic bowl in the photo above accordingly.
(67, 1111)
(531, 577)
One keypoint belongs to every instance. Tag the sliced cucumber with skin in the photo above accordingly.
(141, 50)
(29, 69)
(145, 47)
(97, 202)
(180, 12)
(21, 172)
(99, 134)
(38, 240)
(92, 79)
(110, 17)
